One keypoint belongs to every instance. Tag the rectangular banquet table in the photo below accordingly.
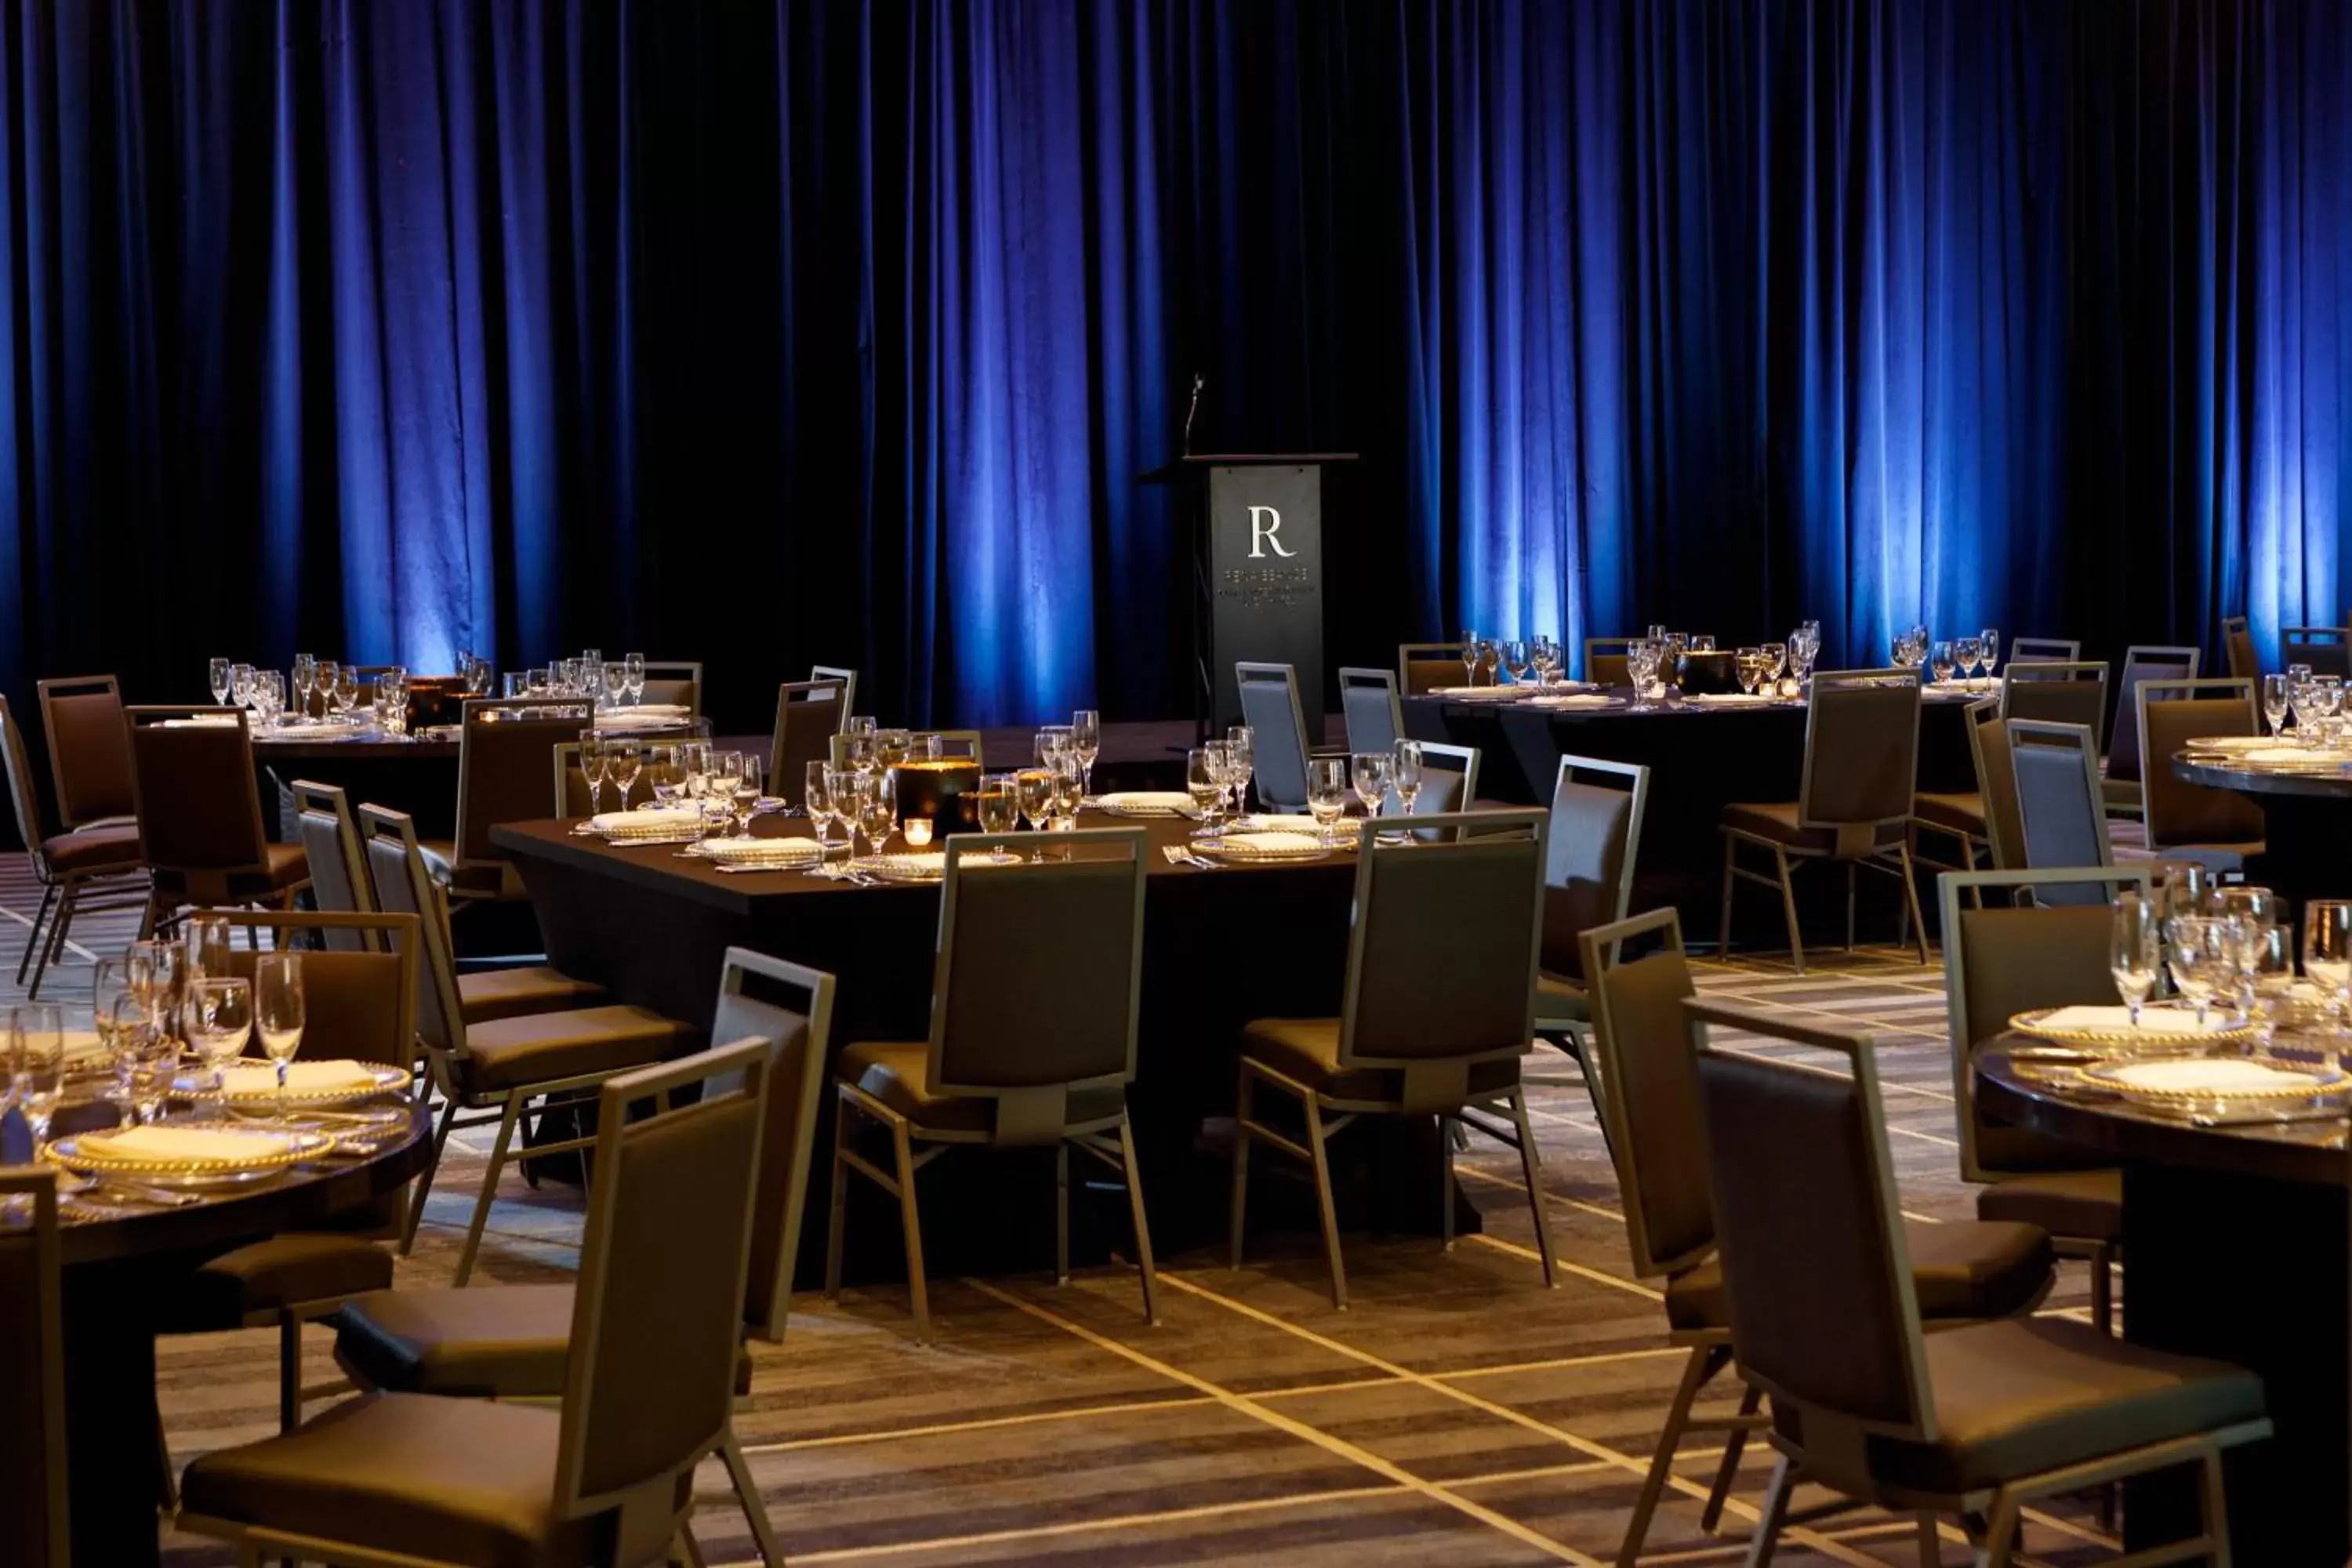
(1220, 947)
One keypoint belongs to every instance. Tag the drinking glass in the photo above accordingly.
(624, 760)
(1052, 740)
(860, 724)
(240, 685)
(722, 777)
(109, 984)
(1086, 739)
(999, 807)
(1966, 652)
(663, 772)
(635, 665)
(278, 1012)
(150, 1059)
(156, 971)
(591, 768)
(305, 667)
(1241, 746)
(1702, 643)
(219, 1022)
(2201, 962)
(858, 752)
(2274, 702)
(1776, 661)
(1989, 644)
(1200, 781)
(1069, 792)
(2265, 974)
(1940, 662)
(1327, 793)
(817, 797)
(1515, 659)
(877, 802)
(2327, 953)
(37, 1062)
(749, 775)
(347, 688)
(272, 692)
(1658, 633)
(2132, 957)
(325, 674)
(616, 686)
(1746, 663)
(2247, 903)
(1469, 658)
(842, 786)
(2188, 892)
(1405, 773)
(1370, 772)
(891, 747)
(220, 681)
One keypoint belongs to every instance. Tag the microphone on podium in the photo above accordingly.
(1199, 380)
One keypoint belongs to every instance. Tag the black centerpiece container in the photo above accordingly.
(944, 790)
(1708, 674)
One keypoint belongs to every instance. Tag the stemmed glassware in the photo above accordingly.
(1405, 773)
(37, 1062)
(2202, 961)
(1641, 660)
(219, 1017)
(2327, 954)
(306, 670)
(1470, 646)
(749, 775)
(816, 796)
(1000, 804)
(1327, 794)
(1204, 781)
(1989, 650)
(1085, 740)
(279, 1012)
(877, 804)
(1966, 653)
(346, 695)
(1776, 663)
(663, 772)
(721, 786)
(1941, 662)
(109, 987)
(1373, 773)
(1034, 789)
(2265, 974)
(624, 760)
(593, 762)
(634, 664)
(1515, 659)
(156, 972)
(220, 681)
(2274, 701)
(2132, 957)
(324, 674)
(1241, 748)
(147, 1057)
(240, 685)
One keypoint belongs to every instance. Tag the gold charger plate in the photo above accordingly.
(88, 1154)
(2143, 1040)
(2180, 1082)
(383, 1079)
(1263, 849)
(923, 865)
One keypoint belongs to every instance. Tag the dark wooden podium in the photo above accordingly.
(1257, 571)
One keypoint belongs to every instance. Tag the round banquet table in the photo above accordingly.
(2235, 1245)
(2307, 834)
(120, 1268)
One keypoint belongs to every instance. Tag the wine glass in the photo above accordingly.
(109, 985)
(817, 797)
(324, 674)
(2265, 974)
(279, 1012)
(1086, 739)
(1776, 661)
(1241, 743)
(306, 668)
(2274, 702)
(156, 971)
(877, 802)
(1371, 774)
(1966, 652)
(150, 1059)
(219, 1022)
(2327, 953)
(2132, 957)
(663, 772)
(220, 681)
(37, 1062)
(2187, 891)
(2201, 961)
(635, 665)
(616, 686)
(624, 760)
(1989, 648)
(593, 763)
(1469, 658)
(240, 685)
(1000, 806)
(841, 789)
(1203, 784)
(1940, 662)
(1515, 659)
(1327, 793)
(347, 688)
(751, 773)
(1069, 791)
(719, 787)
(892, 747)
(1405, 773)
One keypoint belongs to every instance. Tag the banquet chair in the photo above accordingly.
(494, 1071)
(1976, 1420)
(1646, 1094)
(1423, 667)
(572, 797)
(807, 712)
(512, 1343)
(1590, 851)
(2058, 807)
(34, 1515)
(1604, 661)
(677, 682)
(502, 756)
(2237, 649)
(1861, 748)
(1438, 1008)
(1373, 713)
(2322, 647)
(359, 1006)
(2120, 787)
(1963, 817)
(83, 723)
(606, 1477)
(1999, 963)
(1018, 1056)
(848, 679)
(199, 812)
(2185, 821)
(2062, 650)
(2057, 692)
(94, 871)
(1449, 781)
(1269, 694)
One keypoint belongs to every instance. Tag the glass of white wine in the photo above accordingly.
(279, 1012)
(1000, 810)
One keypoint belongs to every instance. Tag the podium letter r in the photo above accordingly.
(1266, 528)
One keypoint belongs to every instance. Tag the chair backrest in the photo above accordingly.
(1422, 667)
(404, 885)
(1996, 784)
(358, 1001)
(1589, 853)
(1604, 661)
(198, 806)
(1269, 695)
(790, 1008)
(1823, 1311)
(1648, 1096)
(502, 761)
(89, 749)
(2141, 664)
(807, 712)
(1861, 753)
(657, 1318)
(1999, 963)
(2171, 714)
(572, 797)
(1373, 713)
(2322, 647)
(848, 679)
(23, 793)
(1449, 781)
(339, 874)
(674, 680)
(2056, 692)
(2059, 812)
(1039, 976)
(2238, 648)
(1443, 945)
(33, 1508)
(2064, 650)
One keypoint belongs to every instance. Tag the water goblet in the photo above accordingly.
(635, 665)
(280, 1013)
(1515, 659)
(37, 1062)
(219, 1022)
(1371, 773)
(2132, 957)
(1470, 659)
(1966, 652)
(750, 775)
(1405, 773)
(1941, 662)
(2327, 954)
(1240, 741)
(1000, 805)
(1203, 782)
(220, 681)
(2201, 962)
(1327, 793)
(1086, 739)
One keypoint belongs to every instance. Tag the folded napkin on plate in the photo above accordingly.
(315, 730)
(2228, 1075)
(1484, 693)
(1146, 800)
(202, 722)
(777, 851)
(1268, 842)
(176, 1143)
(301, 1077)
(659, 819)
(2152, 1020)
(1574, 699)
(2307, 757)
(1271, 822)
(1730, 700)
(650, 710)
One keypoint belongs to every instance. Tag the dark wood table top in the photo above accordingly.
(2223, 774)
(2310, 1152)
(304, 1197)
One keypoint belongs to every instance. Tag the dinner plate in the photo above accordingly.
(924, 865)
(2162, 1030)
(186, 1156)
(784, 854)
(1484, 693)
(1347, 828)
(310, 1086)
(1146, 802)
(1261, 848)
(2214, 1080)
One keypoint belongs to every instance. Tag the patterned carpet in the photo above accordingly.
(1459, 1412)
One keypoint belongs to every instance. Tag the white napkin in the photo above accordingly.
(2152, 1020)
(167, 1142)
(1484, 693)
(1268, 842)
(2222, 1075)
(763, 851)
(640, 719)
(2310, 758)
(252, 1078)
(1154, 800)
(1731, 699)
(660, 819)
(1265, 822)
(654, 710)
(1576, 699)
(202, 722)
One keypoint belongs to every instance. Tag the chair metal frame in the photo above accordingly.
(2142, 661)
(1836, 1447)
(1408, 651)
(1984, 711)
(1033, 1115)
(848, 679)
(64, 894)
(2173, 691)
(476, 711)
(331, 800)
(2062, 651)
(1638, 788)
(1481, 1112)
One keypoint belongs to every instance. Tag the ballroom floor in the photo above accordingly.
(1458, 1413)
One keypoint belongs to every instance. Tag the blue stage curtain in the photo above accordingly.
(829, 331)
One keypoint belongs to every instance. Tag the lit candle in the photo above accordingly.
(918, 832)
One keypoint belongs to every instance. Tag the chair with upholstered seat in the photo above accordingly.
(1999, 963)
(83, 724)
(1449, 781)
(2237, 649)
(2324, 649)
(34, 1516)
(2056, 692)
(503, 760)
(848, 679)
(512, 1343)
(90, 871)
(492, 1071)
(1974, 1421)
(1605, 660)
(606, 1477)
(2119, 787)
(1438, 1004)
(1987, 814)
(1590, 851)
(1861, 748)
(1646, 1096)
(1269, 697)
(1423, 667)
(1371, 709)
(674, 682)
(808, 714)
(2185, 821)
(2064, 650)
(2060, 817)
(199, 814)
(1019, 1054)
